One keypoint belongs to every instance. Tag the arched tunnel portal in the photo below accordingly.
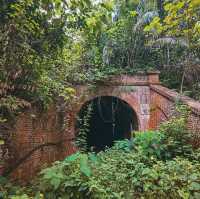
(104, 120)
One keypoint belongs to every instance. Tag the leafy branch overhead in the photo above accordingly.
(48, 46)
(36, 38)
(181, 21)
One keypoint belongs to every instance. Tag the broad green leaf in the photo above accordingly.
(55, 182)
(73, 157)
(93, 157)
(84, 167)
(194, 186)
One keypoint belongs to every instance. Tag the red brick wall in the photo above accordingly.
(31, 131)
(160, 109)
(163, 104)
(194, 125)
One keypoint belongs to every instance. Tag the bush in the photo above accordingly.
(177, 137)
(12, 191)
(150, 143)
(120, 174)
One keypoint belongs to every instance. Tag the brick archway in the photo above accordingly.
(40, 139)
(134, 90)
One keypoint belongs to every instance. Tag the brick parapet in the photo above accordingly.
(138, 79)
(163, 100)
(174, 96)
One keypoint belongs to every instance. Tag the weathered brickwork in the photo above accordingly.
(40, 139)
(162, 106)
(136, 96)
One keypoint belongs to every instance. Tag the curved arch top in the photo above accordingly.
(132, 104)
(138, 97)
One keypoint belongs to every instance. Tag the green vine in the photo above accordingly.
(81, 141)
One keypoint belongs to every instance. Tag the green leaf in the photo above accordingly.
(168, 6)
(196, 195)
(194, 176)
(93, 157)
(37, 196)
(194, 186)
(133, 13)
(146, 171)
(2, 142)
(84, 167)
(3, 180)
(108, 5)
(73, 157)
(55, 182)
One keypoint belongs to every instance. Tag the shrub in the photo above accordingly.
(177, 137)
(125, 145)
(12, 191)
(152, 164)
(177, 178)
(120, 174)
(150, 143)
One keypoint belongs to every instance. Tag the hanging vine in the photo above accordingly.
(81, 141)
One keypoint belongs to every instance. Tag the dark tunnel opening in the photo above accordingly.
(108, 119)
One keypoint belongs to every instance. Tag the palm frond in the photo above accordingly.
(145, 19)
(170, 41)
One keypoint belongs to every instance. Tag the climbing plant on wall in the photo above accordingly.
(83, 129)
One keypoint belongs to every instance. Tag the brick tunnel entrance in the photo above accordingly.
(105, 120)
(140, 103)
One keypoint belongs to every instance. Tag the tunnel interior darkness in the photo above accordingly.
(109, 119)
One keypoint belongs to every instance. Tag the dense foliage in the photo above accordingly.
(179, 28)
(47, 46)
(148, 35)
(39, 48)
